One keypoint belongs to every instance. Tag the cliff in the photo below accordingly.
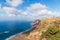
(46, 29)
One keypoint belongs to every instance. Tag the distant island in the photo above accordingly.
(45, 29)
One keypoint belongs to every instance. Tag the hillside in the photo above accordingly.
(46, 29)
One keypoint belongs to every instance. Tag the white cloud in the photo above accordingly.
(10, 11)
(14, 3)
(36, 6)
(32, 12)
(36, 10)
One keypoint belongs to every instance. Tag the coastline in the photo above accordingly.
(24, 32)
(18, 34)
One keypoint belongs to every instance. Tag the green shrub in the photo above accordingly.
(52, 33)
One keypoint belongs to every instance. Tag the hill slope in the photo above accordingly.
(46, 29)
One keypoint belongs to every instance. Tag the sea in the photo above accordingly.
(9, 28)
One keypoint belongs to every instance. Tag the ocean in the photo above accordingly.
(9, 28)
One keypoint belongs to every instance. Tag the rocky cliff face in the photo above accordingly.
(38, 28)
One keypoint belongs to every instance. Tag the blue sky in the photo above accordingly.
(28, 9)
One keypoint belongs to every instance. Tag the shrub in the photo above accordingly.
(52, 33)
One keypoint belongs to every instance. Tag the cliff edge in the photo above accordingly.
(46, 29)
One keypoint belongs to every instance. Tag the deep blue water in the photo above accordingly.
(13, 27)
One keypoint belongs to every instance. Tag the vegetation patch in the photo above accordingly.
(53, 33)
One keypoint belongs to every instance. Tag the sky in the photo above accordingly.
(28, 9)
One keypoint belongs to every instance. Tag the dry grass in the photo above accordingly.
(41, 26)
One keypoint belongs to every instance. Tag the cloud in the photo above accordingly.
(32, 12)
(36, 6)
(38, 10)
(10, 11)
(14, 3)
